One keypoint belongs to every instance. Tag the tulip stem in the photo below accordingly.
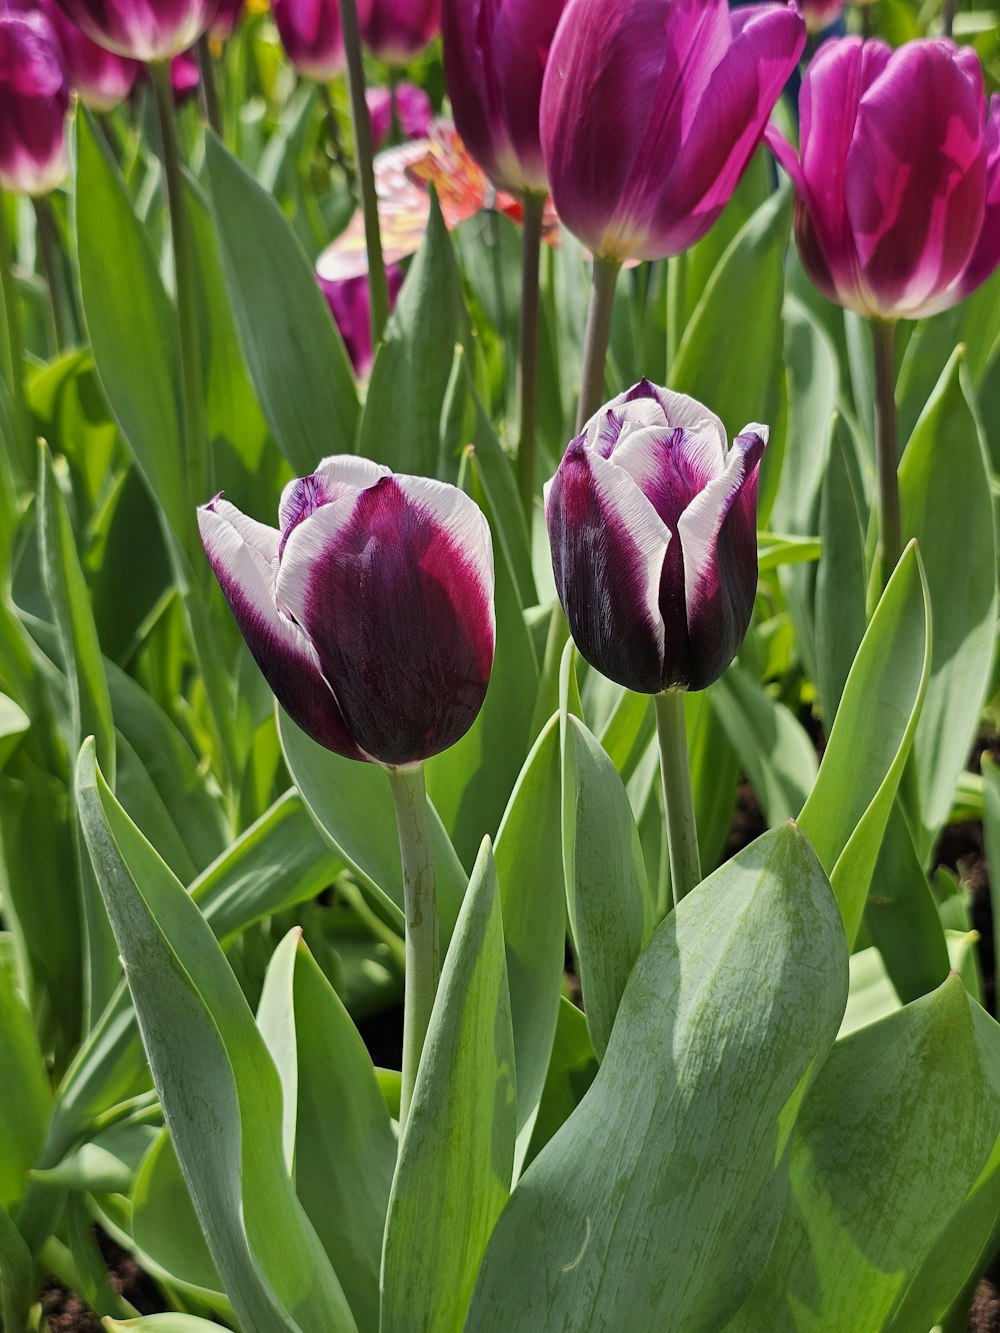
(886, 447)
(13, 350)
(527, 393)
(678, 801)
(48, 252)
(211, 107)
(420, 911)
(364, 159)
(596, 339)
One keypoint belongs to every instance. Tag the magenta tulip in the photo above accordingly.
(397, 30)
(651, 110)
(34, 100)
(413, 108)
(369, 609)
(101, 78)
(495, 54)
(652, 522)
(311, 35)
(897, 180)
(148, 30)
(349, 300)
(229, 13)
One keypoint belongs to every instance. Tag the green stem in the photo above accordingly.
(676, 303)
(947, 17)
(364, 159)
(211, 107)
(886, 448)
(866, 22)
(13, 351)
(395, 126)
(527, 393)
(678, 802)
(420, 910)
(48, 250)
(186, 290)
(332, 126)
(596, 339)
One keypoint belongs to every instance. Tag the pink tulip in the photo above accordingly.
(897, 180)
(310, 33)
(34, 100)
(397, 30)
(413, 107)
(229, 13)
(651, 110)
(350, 304)
(149, 30)
(101, 78)
(495, 53)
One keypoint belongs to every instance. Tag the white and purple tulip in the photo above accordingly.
(369, 609)
(652, 522)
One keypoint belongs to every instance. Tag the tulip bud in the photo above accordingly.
(897, 180)
(227, 16)
(349, 300)
(652, 522)
(651, 110)
(495, 54)
(369, 609)
(413, 108)
(147, 30)
(101, 78)
(311, 35)
(34, 100)
(397, 30)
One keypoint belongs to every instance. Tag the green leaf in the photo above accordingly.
(991, 835)
(457, 1150)
(655, 1204)
(344, 1145)
(164, 1323)
(841, 580)
(14, 723)
(715, 774)
(25, 1099)
(17, 1275)
(606, 889)
(401, 426)
(849, 806)
(572, 1069)
(218, 1087)
(893, 1137)
(945, 501)
(295, 356)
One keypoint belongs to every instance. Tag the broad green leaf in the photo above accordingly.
(655, 1204)
(945, 500)
(572, 1068)
(14, 722)
(841, 580)
(991, 835)
(871, 996)
(25, 1099)
(104, 1164)
(343, 1146)
(457, 1151)
(715, 774)
(352, 804)
(606, 890)
(848, 808)
(164, 1323)
(17, 1275)
(218, 1087)
(401, 426)
(893, 1137)
(294, 354)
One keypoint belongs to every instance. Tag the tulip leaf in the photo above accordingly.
(945, 500)
(163, 1323)
(572, 1069)
(896, 1137)
(17, 1274)
(14, 723)
(217, 1084)
(344, 1145)
(813, 383)
(401, 425)
(457, 1150)
(294, 354)
(991, 837)
(849, 806)
(25, 1099)
(121, 288)
(606, 890)
(841, 580)
(351, 803)
(656, 1203)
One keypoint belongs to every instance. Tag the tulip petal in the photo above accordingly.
(672, 467)
(608, 546)
(338, 475)
(986, 255)
(243, 554)
(390, 584)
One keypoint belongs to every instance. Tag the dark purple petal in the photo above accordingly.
(34, 99)
(336, 476)
(394, 588)
(397, 30)
(608, 548)
(244, 556)
(986, 255)
(311, 35)
(147, 30)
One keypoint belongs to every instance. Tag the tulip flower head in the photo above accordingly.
(897, 180)
(652, 523)
(369, 609)
(350, 305)
(101, 78)
(227, 16)
(34, 100)
(397, 30)
(148, 30)
(651, 110)
(495, 55)
(413, 107)
(311, 35)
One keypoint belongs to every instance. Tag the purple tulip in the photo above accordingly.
(495, 53)
(147, 30)
(651, 110)
(229, 13)
(653, 527)
(369, 609)
(311, 35)
(349, 300)
(101, 78)
(413, 107)
(897, 180)
(397, 30)
(34, 100)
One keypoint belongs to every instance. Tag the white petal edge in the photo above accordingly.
(307, 543)
(263, 539)
(338, 473)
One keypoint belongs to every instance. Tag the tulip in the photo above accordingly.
(369, 609)
(226, 18)
(652, 525)
(495, 54)
(413, 111)
(184, 76)
(350, 304)
(897, 179)
(101, 78)
(147, 30)
(34, 100)
(397, 30)
(311, 34)
(819, 14)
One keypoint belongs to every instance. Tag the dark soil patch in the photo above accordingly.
(66, 1312)
(748, 821)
